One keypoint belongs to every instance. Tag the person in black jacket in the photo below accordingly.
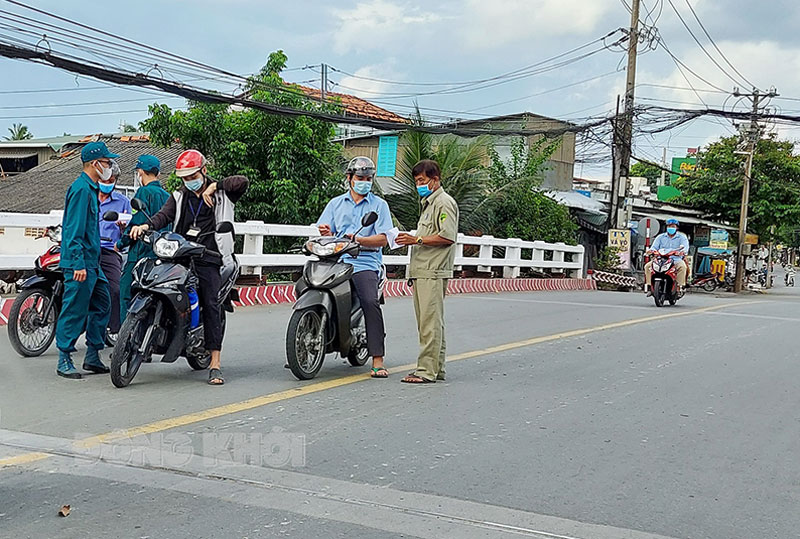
(195, 211)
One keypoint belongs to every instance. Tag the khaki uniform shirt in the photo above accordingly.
(439, 217)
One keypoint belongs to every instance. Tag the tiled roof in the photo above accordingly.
(44, 187)
(357, 106)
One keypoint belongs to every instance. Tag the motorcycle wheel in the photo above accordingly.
(305, 343)
(658, 293)
(201, 363)
(359, 354)
(126, 357)
(710, 286)
(28, 336)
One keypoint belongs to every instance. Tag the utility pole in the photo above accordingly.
(752, 134)
(626, 144)
(663, 167)
(323, 88)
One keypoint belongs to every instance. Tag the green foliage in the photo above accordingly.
(19, 132)
(515, 207)
(463, 173)
(494, 197)
(607, 259)
(716, 185)
(646, 170)
(293, 166)
(128, 128)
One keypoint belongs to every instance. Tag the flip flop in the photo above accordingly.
(213, 375)
(414, 379)
(379, 372)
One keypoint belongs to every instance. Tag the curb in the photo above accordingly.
(284, 293)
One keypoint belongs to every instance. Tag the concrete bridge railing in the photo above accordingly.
(18, 248)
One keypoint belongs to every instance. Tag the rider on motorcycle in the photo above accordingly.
(196, 209)
(343, 215)
(672, 241)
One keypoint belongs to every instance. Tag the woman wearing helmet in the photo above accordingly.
(195, 210)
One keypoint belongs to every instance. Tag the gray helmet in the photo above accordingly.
(115, 171)
(361, 166)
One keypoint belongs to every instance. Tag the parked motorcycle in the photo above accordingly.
(665, 278)
(707, 281)
(164, 314)
(34, 313)
(327, 316)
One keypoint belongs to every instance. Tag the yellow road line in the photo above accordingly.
(256, 402)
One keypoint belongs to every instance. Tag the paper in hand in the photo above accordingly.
(391, 237)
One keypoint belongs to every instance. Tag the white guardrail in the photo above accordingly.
(253, 260)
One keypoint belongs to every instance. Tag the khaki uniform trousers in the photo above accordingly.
(429, 309)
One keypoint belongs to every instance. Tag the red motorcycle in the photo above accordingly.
(34, 314)
(665, 278)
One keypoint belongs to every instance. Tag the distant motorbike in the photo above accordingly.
(789, 277)
(164, 314)
(707, 281)
(327, 316)
(34, 313)
(665, 278)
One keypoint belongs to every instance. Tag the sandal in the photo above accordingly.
(379, 372)
(412, 378)
(215, 377)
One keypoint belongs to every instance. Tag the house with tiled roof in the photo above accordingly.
(42, 188)
(17, 156)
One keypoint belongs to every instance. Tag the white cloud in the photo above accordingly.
(493, 24)
(375, 23)
(360, 86)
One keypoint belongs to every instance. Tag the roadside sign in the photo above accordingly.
(751, 239)
(682, 165)
(719, 239)
(621, 239)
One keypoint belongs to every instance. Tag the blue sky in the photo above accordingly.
(415, 41)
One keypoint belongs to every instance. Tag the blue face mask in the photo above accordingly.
(361, 187)
(424, 190)
(106, 188)
(671, 230)
(193, 185)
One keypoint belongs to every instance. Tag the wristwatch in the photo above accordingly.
(419, 240)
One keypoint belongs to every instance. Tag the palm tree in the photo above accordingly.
(19, 132)
(464, 173)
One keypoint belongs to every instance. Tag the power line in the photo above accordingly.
(715, 45)
(91, 103)
(77, 114)
(694, 37)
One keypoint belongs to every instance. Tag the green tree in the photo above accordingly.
(515, 207)
(19, 132)
(293, 166)
(464, 174)
(646, 170)
(716, 185)
(128, 128)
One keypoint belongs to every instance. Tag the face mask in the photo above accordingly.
(193, 185)
(671, 230)
(424, 190)
(361, 187)
(137, 179)
(105, 175)
(106, 187)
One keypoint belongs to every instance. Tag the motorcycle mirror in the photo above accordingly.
(224, 227)
(369, 219)
(137, 204)
(111, 216)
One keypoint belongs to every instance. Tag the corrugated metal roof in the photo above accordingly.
(44, 187)
(15, 154)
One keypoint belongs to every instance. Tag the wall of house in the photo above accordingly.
(22, 241)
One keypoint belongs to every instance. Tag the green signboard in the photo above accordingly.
(682, 165)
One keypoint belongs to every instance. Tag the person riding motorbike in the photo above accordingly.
(675, 242)
(342, 216)
(195, 211)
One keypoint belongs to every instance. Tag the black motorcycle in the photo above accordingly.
(327, 316)
(164, 314)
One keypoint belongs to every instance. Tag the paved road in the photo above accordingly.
(583, 415)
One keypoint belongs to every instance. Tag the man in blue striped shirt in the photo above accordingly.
(342, 216)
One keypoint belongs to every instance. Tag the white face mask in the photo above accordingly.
(105, 175)
(137, 179)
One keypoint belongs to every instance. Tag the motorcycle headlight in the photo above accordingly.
(164, 248)
(327, 249)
